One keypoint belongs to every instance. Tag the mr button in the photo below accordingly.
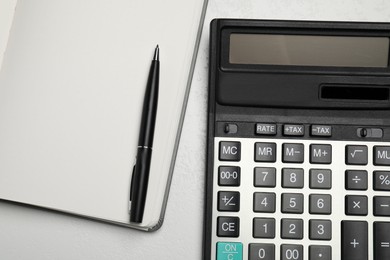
(230, 151)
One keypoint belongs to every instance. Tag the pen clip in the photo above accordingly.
(132, 184)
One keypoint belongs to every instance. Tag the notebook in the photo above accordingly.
(72, 83)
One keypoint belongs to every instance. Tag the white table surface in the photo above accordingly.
(34, 234)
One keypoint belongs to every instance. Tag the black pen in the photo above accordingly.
(140, 178)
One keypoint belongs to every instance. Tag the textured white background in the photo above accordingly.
(33, 234)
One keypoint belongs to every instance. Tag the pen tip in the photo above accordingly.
(156, 53)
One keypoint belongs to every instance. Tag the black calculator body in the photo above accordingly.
(298, 156)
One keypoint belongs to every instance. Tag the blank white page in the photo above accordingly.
(71, 91)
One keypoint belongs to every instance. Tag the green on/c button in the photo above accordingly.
(229, 251)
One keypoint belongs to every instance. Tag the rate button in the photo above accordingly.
(265, 129)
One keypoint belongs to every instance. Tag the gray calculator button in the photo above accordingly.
(317, 252)
(382, 206)
(382, 180)
(293, 153)
(356, 180)
(264, 228)
(356, 205)
(354, 240)
(292, 178)
(356, 154)
(229, 201)
(320, 153)
(321, 130)
(381, 240)
(293, 130)
(261, 252)
(265, 129)
(320, 204)
(292, 228)
(265, 152)
(320, 229)
(292, 252)
(229, 151)
(264, 202)
(320, 179)
(292, 203)
(228, 226)
(229, 176)
(264, 177)
(382, 155)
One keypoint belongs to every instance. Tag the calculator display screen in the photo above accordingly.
(309, 50)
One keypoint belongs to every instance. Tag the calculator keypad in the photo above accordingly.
(292, 199)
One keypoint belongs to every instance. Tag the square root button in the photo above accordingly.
(356, 155)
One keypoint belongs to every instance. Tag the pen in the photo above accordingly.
(140, 177)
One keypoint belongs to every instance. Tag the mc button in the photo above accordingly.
(230, 151)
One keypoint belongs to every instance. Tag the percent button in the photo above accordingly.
(382, 180)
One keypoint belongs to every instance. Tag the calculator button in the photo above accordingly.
(354, 240)
(382, 206)
(382, 180)
(261, 252)
(292, 178)
(265, 177)
(320, 179)
(265, 152)
(264, 202)
(293, 130)
(265, 129)
(292, 228)
(229, 176)
(320, 229)
(293, 153)
(320, 153)
(320, 252)
(356, 205)
(264, 228)
(229, 151)
(356, 155)
(381, 240)
(356, 180)
(382, 155)
(228, 226)
(289, 252)
(292, 203)
(229, 201)
(320, 204)
(229, 251)
(321, 130)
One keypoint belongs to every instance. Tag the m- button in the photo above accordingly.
(230, 151)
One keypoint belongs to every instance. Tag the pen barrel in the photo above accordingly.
(139, 184)
(149, 110)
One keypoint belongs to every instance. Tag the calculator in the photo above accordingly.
(298, 151)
